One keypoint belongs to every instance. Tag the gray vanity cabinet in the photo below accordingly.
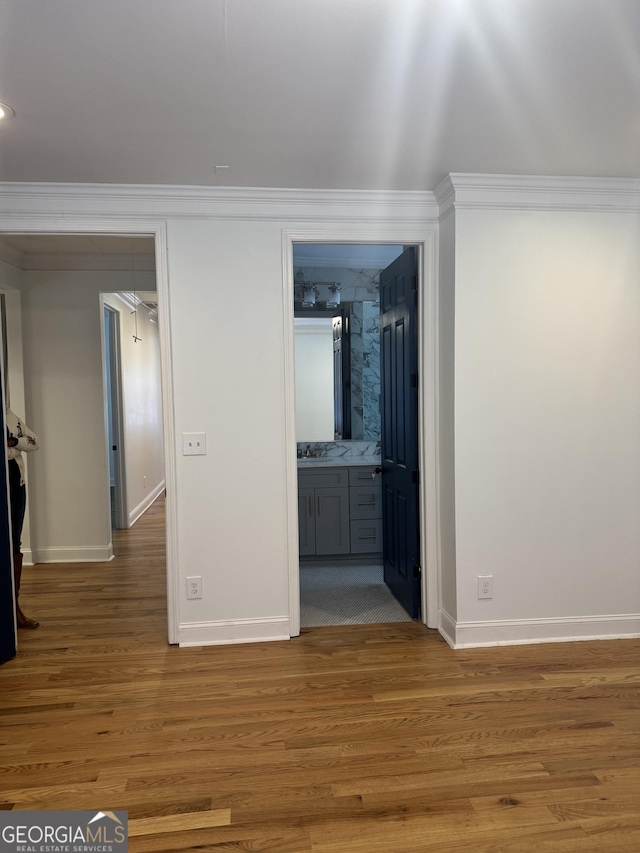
(365, 511)
(339, 511)
(323, 512)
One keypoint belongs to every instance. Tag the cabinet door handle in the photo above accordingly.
(319, 510)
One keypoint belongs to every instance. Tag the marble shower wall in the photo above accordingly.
(357, 358)
(371, 415)
(365, 370)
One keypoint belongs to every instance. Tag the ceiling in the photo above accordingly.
(327, 94)
(77, 244)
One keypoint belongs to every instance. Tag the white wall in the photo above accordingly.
(542, 331)
(62, 332)
(227, 342)
(142, 405)
(547, 422)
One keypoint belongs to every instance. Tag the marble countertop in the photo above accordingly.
(337, 461)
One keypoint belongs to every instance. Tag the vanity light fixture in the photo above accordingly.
(334, 299)
(6, 112)
(309, 295)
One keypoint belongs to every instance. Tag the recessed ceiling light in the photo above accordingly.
(6, 111)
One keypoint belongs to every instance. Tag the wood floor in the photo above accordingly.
(359, 739)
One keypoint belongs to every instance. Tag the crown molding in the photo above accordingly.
(217, 202)
(458, 191)
(462, 191)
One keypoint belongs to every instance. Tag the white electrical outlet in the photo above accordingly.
(194, 444)
(194, 587)
(485, 586)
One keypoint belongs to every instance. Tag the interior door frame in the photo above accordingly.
(131, 226)
(115, 410)
(428, 324)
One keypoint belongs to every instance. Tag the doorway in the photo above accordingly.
(358, 542)
(155, 240)
(115, 430)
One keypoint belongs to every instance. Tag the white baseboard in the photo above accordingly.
(88, 554)
(144, 505)
(226, 632)
(447, 628)
(468, 635)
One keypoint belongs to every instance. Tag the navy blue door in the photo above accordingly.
(400, 476)
(7, 611)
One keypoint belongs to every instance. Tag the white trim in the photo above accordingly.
(144, 505)
(428, 418)
(90, 554)
(168, 429)
(291, 467)
(468, 635)
(228, 203)
(223, 632)
(447, 627)
(33, 221)
(423, 236)
(461, 191)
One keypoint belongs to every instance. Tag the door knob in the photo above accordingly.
(377, 470)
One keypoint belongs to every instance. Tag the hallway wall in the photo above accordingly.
(62, 327)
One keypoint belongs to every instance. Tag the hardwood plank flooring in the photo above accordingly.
(367, 738)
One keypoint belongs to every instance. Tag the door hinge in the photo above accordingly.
(415, 477)
(414, 283)
(414, 380)
(417, 573)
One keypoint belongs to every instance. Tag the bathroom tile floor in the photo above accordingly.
(346, 595)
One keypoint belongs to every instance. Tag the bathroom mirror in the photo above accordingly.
(337, 370)
(313, 339)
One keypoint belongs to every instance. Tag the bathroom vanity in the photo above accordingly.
(339, 508)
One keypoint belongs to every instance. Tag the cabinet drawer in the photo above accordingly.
(323, 477)
(363, 475)
(365, 502)
(366, 536)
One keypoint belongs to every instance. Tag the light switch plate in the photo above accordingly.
(194, 444)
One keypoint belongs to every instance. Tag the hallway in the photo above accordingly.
(78, 604)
